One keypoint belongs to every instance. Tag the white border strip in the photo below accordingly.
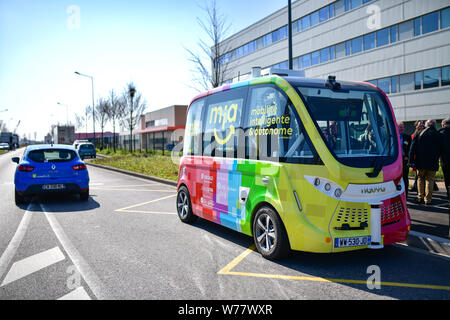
(14, 244)
(92, 280)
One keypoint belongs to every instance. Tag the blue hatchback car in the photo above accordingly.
(50, 169)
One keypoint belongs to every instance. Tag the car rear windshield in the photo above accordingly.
(52, 155)
(87, 146)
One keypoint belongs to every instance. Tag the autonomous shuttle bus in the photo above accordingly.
(301, 164)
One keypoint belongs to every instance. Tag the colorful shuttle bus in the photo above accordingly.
(302, 164)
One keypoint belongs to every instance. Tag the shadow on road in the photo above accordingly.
(61, 203)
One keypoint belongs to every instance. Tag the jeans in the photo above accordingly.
(425, 183)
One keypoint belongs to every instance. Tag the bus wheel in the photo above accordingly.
(269, 234)
(184, 208)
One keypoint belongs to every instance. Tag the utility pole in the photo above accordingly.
(93, 106)
(290, 35)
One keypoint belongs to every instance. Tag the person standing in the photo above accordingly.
(445, 158)
(405, 141)
(426, 148)
(419, 125)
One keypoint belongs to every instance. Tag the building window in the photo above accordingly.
(356, 45)
(446, 76)
(417, 27)
(306, 59)
(382, 37)
(369, 41)
(332, 53)
(284, 65)
(355, 3)
(431, 78)
(385, 85)
(305, 23)
(295, 65)
(332, 14)
(393, 33)
(283, 32)
(348, 48)
(405, 30)
(314, 18)
(394, 84)
(418, 80)
(430, 22)
(339, 7)
(323, 14)
(315, 58)
(407, 82)
(275, 36)
(324, 55)
(340, 50)
(445, 18)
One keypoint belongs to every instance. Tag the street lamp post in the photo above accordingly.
(290, 35)
(93, 108)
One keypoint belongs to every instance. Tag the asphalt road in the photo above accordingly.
(126, 242)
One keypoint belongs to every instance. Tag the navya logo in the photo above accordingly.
(373, 190)
(224, 117)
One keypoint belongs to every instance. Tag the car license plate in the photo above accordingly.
(351, 242)
(53, 186)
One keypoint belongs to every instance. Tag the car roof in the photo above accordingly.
(50, 146)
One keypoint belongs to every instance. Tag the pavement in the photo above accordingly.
(430, 225)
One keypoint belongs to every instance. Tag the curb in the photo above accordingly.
(427, 242)
(135, 174)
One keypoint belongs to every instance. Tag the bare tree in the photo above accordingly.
(101, 115)
(79, 121)
(134, 106)
(116, 112)
(87, 115)
(211, 68)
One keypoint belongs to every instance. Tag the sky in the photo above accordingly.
(43, 42)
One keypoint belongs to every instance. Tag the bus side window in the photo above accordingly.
(193, 132)
(222, 123)
(273, 129)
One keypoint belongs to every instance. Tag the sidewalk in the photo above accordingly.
(430, 225)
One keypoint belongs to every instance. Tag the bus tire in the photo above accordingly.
(184, 207)
(269, 234)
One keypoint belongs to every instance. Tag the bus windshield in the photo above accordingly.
(355, 124)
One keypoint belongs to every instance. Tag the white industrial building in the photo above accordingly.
(403, 46)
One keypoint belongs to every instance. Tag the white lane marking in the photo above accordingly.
(92, 280)
(77, 294)
(14, 244)
(27, 266)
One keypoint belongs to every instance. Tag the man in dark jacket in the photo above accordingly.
(426, 149)
(405, 140)
(445, 158)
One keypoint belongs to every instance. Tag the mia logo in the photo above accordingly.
(223, 117)
(373, 190)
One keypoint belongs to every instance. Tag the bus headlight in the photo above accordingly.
(326, 186)
(316, 182)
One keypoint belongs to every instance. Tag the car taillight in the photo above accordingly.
(79, 167)
(24, 168)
